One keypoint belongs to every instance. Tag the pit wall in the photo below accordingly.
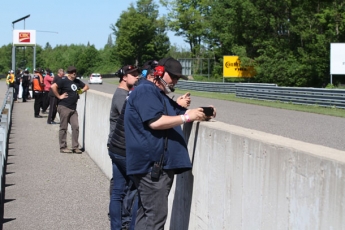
(241, 178)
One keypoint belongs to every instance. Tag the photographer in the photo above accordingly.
(155, 145)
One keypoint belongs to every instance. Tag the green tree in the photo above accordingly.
(5, 59)
(87, 60)
(288, 40)
(139, 35)
(110, 42)
(188, 18)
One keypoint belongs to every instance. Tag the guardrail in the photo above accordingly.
(5, 123)
(308, 96)
(271, 92)
(219, 87)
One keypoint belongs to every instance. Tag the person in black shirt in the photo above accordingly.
(17, 80)
(67, 90)
(25, 84)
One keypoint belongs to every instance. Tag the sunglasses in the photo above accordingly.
(173, 76)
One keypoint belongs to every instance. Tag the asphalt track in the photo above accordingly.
(307, 127)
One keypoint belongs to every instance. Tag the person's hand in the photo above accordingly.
(195, 114)
(184, 100)
(63, 96)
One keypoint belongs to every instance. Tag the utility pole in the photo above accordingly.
(13, 47)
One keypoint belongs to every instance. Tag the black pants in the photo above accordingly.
(25, 93)
(16, 91)
(52, 109)
(38, 102)
(46, 101)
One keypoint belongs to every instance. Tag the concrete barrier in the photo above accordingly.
(241, 178)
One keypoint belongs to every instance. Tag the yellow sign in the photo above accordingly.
(232, 68)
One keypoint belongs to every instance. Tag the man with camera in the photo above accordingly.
(155, 145)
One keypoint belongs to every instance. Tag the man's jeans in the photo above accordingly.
(122, 196)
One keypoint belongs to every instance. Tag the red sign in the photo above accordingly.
(24, 37)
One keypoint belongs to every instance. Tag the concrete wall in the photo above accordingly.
(94, 127)
(241, 178)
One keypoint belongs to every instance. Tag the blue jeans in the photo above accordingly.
(120, 195)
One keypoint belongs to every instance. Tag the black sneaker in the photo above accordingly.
(39, 116)
(52, 123)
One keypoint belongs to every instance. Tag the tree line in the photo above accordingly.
(287, 42)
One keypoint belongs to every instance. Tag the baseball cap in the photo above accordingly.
(71, 69)
(172, 66)
(38, 70)
(130, 69)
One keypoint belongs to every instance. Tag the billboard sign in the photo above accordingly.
(337, 58)
(24, 37)
(232, 68)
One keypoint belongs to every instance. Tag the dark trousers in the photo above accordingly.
(45, 101)
(52, 108)
(25, 93)
(68, 116)
(153, 200)
(38, 102)
(16, 91)
(123, 203)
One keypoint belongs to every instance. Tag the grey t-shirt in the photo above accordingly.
(117, 102)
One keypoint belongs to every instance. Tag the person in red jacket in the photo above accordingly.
(48, 79)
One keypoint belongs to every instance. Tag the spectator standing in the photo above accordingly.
(10, 79)
(25, 84)
(120, 218)
(48, 79)
(16, 85)
(53, 100)
(155, 145)
(67, 90)
(37, 89)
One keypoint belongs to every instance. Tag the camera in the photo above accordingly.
(208, 111)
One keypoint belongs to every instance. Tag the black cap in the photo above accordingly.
(172, 66)
(130, 69)
(71, 69)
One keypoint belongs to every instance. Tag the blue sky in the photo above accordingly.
(63, 22)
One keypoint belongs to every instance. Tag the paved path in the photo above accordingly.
(46, 189)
